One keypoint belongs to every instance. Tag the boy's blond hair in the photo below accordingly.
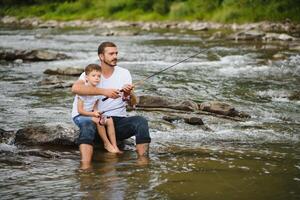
(92, 67)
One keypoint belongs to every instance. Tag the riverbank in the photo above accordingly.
(286, 26)
(227, 11)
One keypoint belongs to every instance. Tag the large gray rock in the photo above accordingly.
(52, 134)
(149, 101)
(69, 71)
(30, 55)
(218, 108)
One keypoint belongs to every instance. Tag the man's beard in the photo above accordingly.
(109, 64)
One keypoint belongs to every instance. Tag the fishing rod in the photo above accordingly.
(154, 74)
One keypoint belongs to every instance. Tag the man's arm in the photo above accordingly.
(80, 88)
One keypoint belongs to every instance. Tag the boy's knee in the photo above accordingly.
(87, 132)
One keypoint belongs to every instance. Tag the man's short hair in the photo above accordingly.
(92, 67)
(103, 45)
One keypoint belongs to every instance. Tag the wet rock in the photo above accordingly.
(52, 134)
(7, 137)
(149, 101)
(279, 56)
(49, 24)
(30, 55)
(52, 80)
(171, 118)
(216, 35)
(18, 61)
(69, 71)
(248, 35)
(277, 36)
(194, 121)
(295, 48)
(218, 108)
(55, 82)
(189, 120)
(161, 125)
(9, 20)
(295, 96)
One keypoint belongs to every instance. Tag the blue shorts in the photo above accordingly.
(125, 128)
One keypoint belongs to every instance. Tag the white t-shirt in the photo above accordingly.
(88, 103)
(117, 80)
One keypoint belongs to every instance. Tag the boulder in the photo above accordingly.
(55, 82)
(193, 121)
(69, 71)
(7, 137)
(52, 133)
(218, 108)
(149, 101)
(30, 55)
(248, 35)
(277, 36)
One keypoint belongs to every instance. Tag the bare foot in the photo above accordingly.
(110, 148)
(118, 150)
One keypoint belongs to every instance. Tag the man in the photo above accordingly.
(119, 79)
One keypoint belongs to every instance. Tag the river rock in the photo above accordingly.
(171, 118)
(69, 71)
(30, 55)
(55, 82)
(7, 137)
(218, 108)
(149, 101)
(295, 96)
(248, 35)
(52, 134)
(193, 121)
(277, 36)
(279, 56)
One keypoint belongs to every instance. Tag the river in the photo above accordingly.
(255, 159)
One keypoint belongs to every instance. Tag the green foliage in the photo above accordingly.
(179, 10)
(210, 10)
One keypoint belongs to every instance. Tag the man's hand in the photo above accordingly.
(127, 89)
(111, 93)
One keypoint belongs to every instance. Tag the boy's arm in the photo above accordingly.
(82, 111)
(80, 88)
(95, 108)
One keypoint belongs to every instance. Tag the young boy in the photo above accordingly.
(86, 106)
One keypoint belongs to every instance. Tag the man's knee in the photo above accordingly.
(141, 130)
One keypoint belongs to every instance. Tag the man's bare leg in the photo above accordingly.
(142, 149)
(86, 154)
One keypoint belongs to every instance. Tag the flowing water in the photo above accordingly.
(255, 159)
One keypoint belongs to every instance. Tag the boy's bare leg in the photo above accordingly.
(86, 153)
(102, 132)
(112, 134)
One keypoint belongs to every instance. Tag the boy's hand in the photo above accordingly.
(96, 114)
